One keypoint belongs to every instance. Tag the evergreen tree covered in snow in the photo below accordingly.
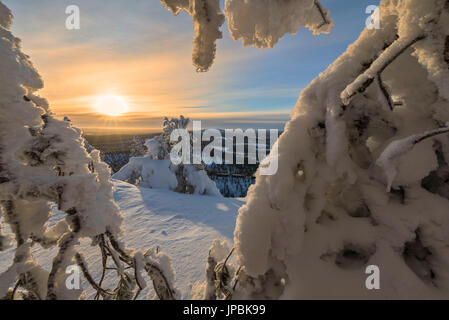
(156, 169)
(363, 163)
(43, 165)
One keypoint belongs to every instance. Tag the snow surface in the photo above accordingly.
(184, 226)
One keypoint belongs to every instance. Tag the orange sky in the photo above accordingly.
(144, 55)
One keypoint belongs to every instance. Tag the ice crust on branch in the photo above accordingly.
(310, 230)
(259, 23)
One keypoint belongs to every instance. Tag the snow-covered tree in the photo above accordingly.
(156, 170)
(259, 23)
(363, 171)
(44, 167)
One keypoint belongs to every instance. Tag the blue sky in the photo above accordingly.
(139, 50)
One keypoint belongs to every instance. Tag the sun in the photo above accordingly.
(111, 105)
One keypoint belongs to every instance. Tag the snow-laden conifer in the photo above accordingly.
(363, 171)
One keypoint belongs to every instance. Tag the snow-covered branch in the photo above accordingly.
(397, 149)
(324, 14)
(259, 23)
(323, 218)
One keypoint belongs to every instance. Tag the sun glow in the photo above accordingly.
(111, 105)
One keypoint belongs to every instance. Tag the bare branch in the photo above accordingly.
(161, 285)
(385, 92)
(431, 134)
(377, 67)
(117, 247)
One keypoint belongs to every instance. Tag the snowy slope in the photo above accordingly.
(182, 225)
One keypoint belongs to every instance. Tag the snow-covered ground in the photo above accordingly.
(182, 225)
